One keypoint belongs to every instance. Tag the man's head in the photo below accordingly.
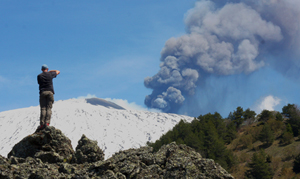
(44, 67)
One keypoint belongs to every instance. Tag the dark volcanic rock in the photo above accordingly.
(171, 161)
(45, 155)
(88, 151)
(49, 144)
(3, 160)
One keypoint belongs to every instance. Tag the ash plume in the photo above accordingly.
(224, 38)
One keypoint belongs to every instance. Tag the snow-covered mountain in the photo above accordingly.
(114, 127)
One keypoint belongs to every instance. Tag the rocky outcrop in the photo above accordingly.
(47, 159)
(3, 160)
(88, 151)
(171, 161)
(50, 145)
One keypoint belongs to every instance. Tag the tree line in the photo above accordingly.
(209, 135)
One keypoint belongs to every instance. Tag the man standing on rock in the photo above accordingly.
(46, 95)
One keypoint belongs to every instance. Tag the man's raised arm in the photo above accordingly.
(56, 71)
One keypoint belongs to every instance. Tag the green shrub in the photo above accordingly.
(287, 138)
(276, 126)
(246, 141)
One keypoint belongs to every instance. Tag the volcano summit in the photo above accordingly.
(112, 126)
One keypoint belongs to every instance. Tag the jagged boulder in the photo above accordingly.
(50, 145)
(88, 151)
(171, 161)
(3, 160)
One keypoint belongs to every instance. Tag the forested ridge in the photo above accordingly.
(247, 144)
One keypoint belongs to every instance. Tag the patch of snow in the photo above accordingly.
(113, 129)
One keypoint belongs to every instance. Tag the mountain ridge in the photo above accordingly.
(113, 129)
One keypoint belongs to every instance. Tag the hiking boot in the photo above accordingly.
(41, 127)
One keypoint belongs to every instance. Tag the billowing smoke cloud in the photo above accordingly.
(223, 38)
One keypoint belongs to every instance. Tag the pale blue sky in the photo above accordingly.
(107, 48)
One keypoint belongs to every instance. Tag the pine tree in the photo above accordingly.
(259, 167)
(238, 116)
(214, 146)
(279, 116)
(292, 112)
(248, 114)
(267, 135)
(287, 110)
(287, 136)
(265, 115)
(231, 133)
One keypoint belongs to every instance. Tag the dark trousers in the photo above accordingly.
(46, 101)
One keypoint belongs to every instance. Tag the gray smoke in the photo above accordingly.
(223, 38)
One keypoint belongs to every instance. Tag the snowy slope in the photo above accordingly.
(114, 127)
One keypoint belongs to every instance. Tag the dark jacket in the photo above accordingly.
(45, 81)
